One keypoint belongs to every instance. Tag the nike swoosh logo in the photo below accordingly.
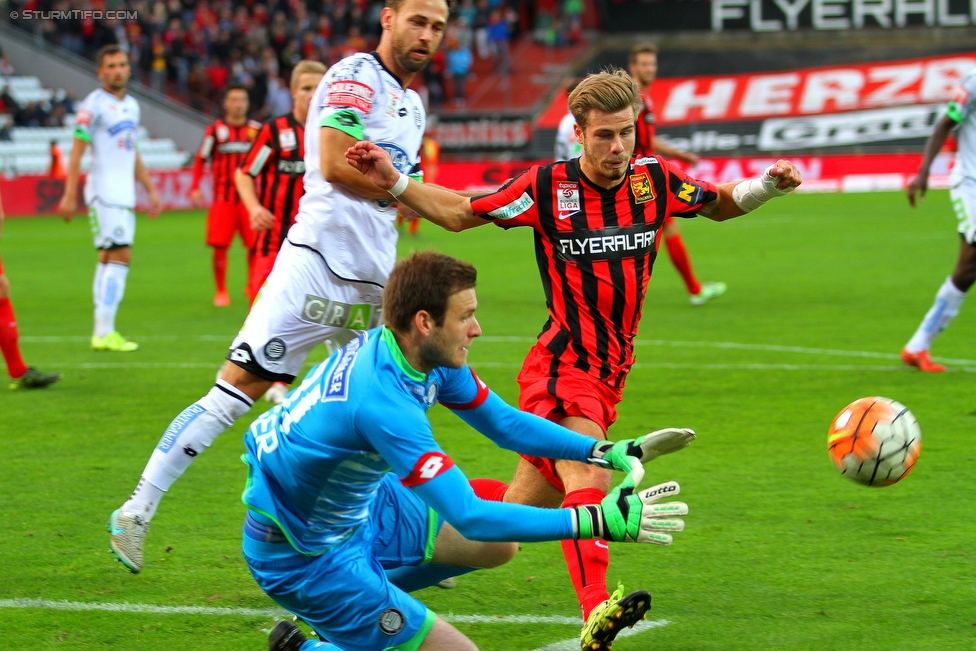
(566, 215)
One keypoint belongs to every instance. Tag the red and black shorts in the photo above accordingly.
(556, 391)
(226, 218)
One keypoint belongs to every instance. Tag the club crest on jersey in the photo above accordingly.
(640, 185)
(567, 199)
(287, 140)
(428, 466)
(351, 93)
(223, 133)
(395, 97)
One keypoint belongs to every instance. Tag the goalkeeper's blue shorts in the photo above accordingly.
(343, 593)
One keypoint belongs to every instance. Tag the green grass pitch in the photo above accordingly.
(780, 551)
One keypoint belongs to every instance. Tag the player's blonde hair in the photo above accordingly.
(305, 66)
(608, 91)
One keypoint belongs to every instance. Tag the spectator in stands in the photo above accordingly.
(480, 25)
(279, 98)
(498, 35)
(5, 135)
(5, 68)
(459, 61)
(56, 170)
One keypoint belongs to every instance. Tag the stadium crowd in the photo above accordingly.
(195, 50)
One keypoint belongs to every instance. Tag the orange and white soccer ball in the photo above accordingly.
(874, 441)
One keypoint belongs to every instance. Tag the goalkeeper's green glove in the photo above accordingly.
(629, 455)
(625, 516)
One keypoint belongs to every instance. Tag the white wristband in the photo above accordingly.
(753, 193)
(400, 185)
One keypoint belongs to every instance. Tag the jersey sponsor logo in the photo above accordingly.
(291, 166)
(514, 208)
(391, 621)
(689, 193)
(176, 428)
(641, 186)
(646, 160)
(351, 93)
(337, 381)
(400, 158)
(275, 349)
(567, 199)
(336, 314)
(234, 147)
(609, 244)
(428, 466)
(83, 117)
(119, 127)
(223, 133)
(287, 140)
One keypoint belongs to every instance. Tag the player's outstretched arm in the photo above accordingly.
(443, 207)
(919, 184)
(735, 199)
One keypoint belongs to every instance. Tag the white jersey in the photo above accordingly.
(357, 236)
(567, 146)
(962, 109)
(109, 125)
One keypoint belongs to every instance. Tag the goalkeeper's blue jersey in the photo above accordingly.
(316, 461)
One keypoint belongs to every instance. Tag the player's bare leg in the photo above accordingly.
(108, 290)
(192, 432)
(948, 301)
(699, 293)
(221, 298)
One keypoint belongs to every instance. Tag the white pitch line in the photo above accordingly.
(574, 643)
(50, 604)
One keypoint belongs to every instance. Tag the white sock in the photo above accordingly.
(97, 285)
(144, 500)
(108, 296)
(192, 432)
(948, 300)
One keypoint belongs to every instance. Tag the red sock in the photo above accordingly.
(220, 268)
(681, 261)
(489, 489)
(8, 340)
(587, 560)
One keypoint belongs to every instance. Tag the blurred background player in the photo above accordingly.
(327, 281)
(643, 68)
(21, 375)
(567, 146)
(277, 160)
(56, 170)
(225, 144)
(960, 115)
(108, 120)
(353, 503)
(595, 278)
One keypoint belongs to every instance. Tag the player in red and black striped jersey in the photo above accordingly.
(643, 68)
(596, 220)
(269, 180)
(225, 144)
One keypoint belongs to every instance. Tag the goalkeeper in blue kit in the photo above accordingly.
(353, 504)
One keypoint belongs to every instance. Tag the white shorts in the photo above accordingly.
(112, 226)
(301, 305)
(963, 198)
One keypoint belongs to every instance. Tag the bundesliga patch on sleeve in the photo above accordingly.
(429, 466)
(689, 193)
(83, 118)
(351, 93)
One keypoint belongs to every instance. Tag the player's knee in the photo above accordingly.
(587, 476)
(4, 287)
(497, 554)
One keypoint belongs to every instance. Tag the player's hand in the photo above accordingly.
(917, 185)
(155, 205)
(373, 163)
(196, 198)
(626, 516)
(66, 208)
(688, 158)
(785, 175)
(261, 219)
(629, 455)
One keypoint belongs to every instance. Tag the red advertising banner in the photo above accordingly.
(40, 195)
(835, 173)
(809, 91)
